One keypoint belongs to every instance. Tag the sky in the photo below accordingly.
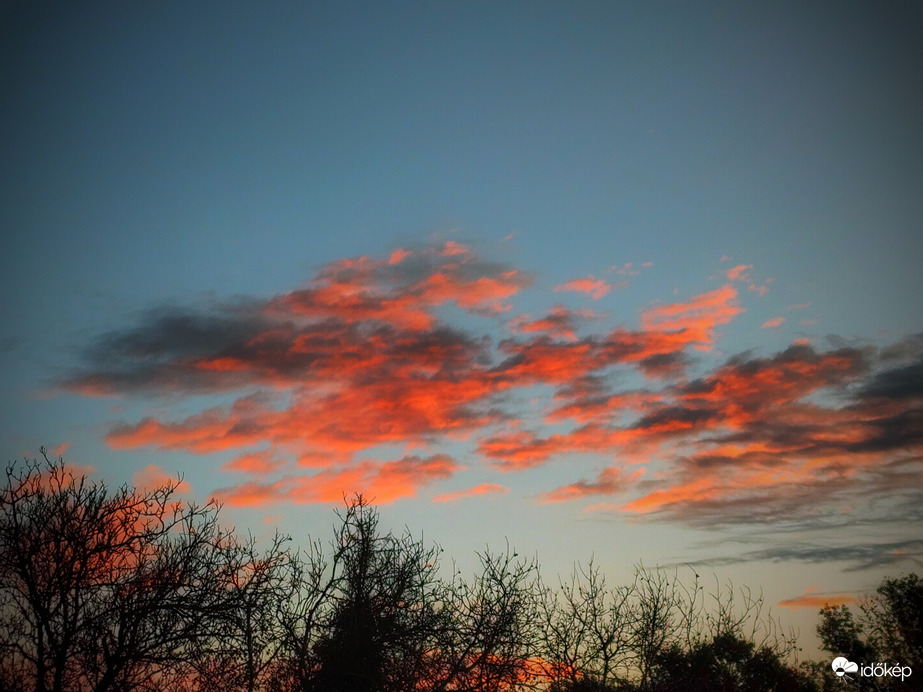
(631, 281)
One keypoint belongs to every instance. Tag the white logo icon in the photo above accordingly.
(841, 666)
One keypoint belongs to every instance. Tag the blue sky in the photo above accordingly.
(207, 163)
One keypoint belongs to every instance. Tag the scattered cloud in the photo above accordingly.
(153, 476)
(476, 491)
(815, 600)
(58, 450)
(772, 323)
(694, 322)
(260, 462)
(590, 284)
(610, 481)
(739, 273)
(380, 482)
(366, 356)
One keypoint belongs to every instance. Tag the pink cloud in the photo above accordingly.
(590, 284)
(362, 356)
(694, 322)
(773, 322)
(738, 273)
(610, 481)
(478, 490)
(59, 450)
(816, 601)
(255, 463)
(153, 476)
(380, 482)
(398, 256)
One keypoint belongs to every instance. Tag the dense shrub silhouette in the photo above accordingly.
(887, 629)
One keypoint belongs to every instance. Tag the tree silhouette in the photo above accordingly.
(246, 649)
(134, 591)
(103, 591)
(389, 623)
(888, 628)
(383, 610)
(726, 663)
(659, 633)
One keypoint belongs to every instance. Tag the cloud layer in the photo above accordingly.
(378, 373)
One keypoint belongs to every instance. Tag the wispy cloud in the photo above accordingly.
(589, 284)
(58, 450)
(815, 600)
(380, 482)
(856, 556)
(739, 273)
(476, 491)
(153, 476)
(773, 322)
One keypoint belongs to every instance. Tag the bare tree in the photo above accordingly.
(588, 630)
(490, 633)
(648, 635)
(374, 614)
(246, 647)
(103, 591)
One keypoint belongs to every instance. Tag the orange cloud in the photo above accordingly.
(452, 247)
(771, 323)
(398, 256)
(738, 273)
(816, 601)
(153, 476)
(609, 482)
(362, 356)
(559, 323)
(590, 284)
(255, 463)
(380, 482)
(482, 489)
(59, 450)
(694, 322)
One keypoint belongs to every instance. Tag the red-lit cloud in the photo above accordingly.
(370, 356)
(694, 322)
(590, 284)
(478, 490)
(379, 482)
(153, 476)
(58, 450)
(815, 601)
(773, 322)
(739, 273)
(610, 481)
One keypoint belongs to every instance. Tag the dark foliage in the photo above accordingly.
(887, 629)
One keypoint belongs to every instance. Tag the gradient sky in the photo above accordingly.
(632, 280)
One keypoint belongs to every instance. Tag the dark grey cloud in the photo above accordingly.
(904, 382)
(858, 557)
(188, 350)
